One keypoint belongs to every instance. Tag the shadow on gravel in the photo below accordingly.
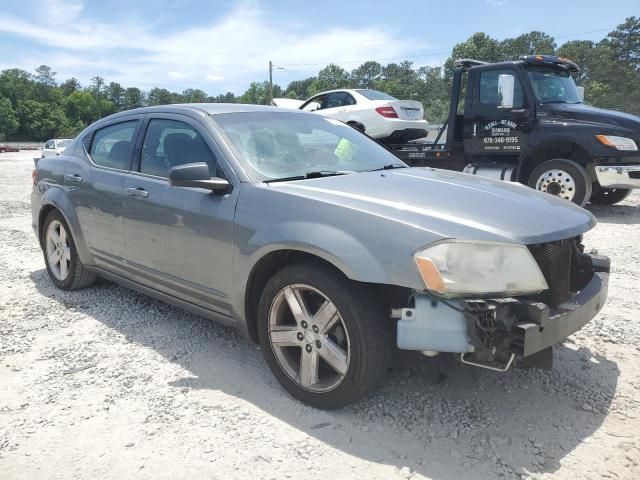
(621, 214)
(472, 424)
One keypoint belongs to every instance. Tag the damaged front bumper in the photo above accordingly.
(491, 333)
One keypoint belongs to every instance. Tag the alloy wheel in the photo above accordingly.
(309, 338)
(58, 250)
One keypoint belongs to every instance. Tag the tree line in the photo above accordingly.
(35, 106)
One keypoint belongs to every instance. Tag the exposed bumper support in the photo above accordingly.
(618, 176)
(510, 326)
(535, 334)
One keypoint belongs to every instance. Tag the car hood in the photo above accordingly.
(586, 113)
(450, 204)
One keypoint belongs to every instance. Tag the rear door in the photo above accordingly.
(337, 105)
(95, 186)
(178, 239)
(494, 132)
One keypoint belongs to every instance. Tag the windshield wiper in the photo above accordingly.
(318, 174)
(391, 166)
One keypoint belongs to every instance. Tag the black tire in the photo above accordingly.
(609, 196)
(550, 177)
(367, 330)
(78, 275)
(357, 125)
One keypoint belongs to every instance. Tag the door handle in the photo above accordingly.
(73, 178)
(137, 192)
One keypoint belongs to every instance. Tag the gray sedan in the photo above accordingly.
(315, 241)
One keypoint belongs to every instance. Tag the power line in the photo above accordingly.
(361, 61)
(585, 33)
(421, 55)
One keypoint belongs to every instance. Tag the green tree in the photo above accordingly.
(624, 42)
(133, 98)
(16, 85)
(329, 78)
(8, 119)
(160, 96)
(366, 75)
(115, 94)
(191, 95)
(532, 43)
(69, 86)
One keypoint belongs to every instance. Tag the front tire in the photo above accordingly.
(61, 257)
(563, 178)
(609, 196)
(325, 339)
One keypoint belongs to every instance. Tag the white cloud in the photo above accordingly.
(177, 75)
(497, 3)
(234, 49)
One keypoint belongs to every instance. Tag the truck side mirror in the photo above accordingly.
(506, 90)
(581, 93)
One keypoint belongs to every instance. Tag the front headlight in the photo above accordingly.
(454, 268)
(619, 143)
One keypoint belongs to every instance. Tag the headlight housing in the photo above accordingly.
(454, 268)
(619, 143)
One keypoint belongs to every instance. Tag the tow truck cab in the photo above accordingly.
(525, 121)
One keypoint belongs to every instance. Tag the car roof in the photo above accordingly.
(209, 108)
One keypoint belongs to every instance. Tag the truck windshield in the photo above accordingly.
(553, 86)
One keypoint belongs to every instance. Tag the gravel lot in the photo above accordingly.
(107, 383)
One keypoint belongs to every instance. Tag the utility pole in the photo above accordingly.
(270, 82)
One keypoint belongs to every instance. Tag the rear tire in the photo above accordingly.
(350, 353)
(357, 125)
(61, 257)
(609, 196)
(562, 178)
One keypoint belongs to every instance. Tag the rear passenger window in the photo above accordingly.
(169, 143)
(111, 146)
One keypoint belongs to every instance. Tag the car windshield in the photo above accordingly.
(553, 86)
(279, 145)
(64, 143)
(375, 95)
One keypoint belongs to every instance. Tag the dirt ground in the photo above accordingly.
(107, 383)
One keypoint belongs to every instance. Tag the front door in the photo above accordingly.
(179, 239)
(495, 132)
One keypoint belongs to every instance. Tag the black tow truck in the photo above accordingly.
(525, 121)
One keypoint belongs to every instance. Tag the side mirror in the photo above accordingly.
(196, 175)
(312, 107)
(581, 93)
(506, 90)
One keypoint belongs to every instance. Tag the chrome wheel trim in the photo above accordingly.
(57, 250)
(309, 338)
(557, 182)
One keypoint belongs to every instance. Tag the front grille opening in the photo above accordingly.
(566, 268)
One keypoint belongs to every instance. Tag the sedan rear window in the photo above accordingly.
(375, 95)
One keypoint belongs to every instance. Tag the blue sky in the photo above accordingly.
(221, 46)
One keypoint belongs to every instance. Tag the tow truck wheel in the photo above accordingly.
(609, 196)
(563, 178)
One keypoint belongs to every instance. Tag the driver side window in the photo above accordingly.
(488, 92)
(315, 103)
(169, 143)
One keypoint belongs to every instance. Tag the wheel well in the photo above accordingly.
(388, 295)
(559, 149)
(41, 218)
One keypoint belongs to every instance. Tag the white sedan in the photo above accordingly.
(379, 115)
(55, 146)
